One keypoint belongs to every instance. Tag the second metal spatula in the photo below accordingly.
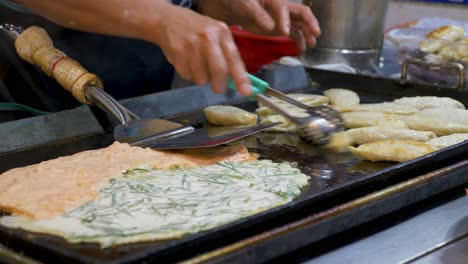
(35, 46)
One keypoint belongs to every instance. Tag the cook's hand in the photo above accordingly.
(267, 17)
(201, 49)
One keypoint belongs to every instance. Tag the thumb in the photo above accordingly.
(258, 15)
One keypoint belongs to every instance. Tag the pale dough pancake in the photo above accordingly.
(366, 119)
(226, 115)
(424, 102)
(448, 32)
(342, 97)
(340, 141)
(388, 108)
(439, 126)
(442, 121)
(392, 150)
(459, 116)
(372, 134)
(441, 37)
(433, 45)
(285, 126)
(268, 116)
(449, 53)
(447, 141)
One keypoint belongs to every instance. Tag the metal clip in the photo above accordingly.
(449, 65)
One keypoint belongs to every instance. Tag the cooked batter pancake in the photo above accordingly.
(151, 204)
(48, 189)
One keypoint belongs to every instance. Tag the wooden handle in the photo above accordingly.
(35, 46)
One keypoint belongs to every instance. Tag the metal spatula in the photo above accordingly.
(35, 46)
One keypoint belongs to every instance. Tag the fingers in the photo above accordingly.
(222, 59)
(260, 18)
(279, 10)
(217, 65)
(203, 51)
(303, 19)
(196, 63)
(180, 64)
(235, 65)
(298, 37)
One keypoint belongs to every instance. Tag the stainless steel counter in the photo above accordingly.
(435, 235)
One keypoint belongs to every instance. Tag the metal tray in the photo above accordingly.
(336, 179)
(415, 65)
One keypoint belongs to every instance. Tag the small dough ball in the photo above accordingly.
(226, 115)
(342, 97)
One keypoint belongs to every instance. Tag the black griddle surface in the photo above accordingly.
(335, 178)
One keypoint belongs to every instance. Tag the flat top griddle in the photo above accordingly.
(335, 178)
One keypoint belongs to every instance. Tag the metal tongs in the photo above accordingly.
(35, 46)
(317, 127)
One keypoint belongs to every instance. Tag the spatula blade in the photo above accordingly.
(206, 137)
(139, 131)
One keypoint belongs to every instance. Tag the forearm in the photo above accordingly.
(126, 18)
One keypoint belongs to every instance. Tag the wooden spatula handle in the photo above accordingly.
(35, 46)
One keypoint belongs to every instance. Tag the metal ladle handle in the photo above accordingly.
(449, 65)
(36, 47)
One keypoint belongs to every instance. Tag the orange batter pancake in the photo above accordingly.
(48, 189)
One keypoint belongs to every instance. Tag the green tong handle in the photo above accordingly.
(21, 107)
(259, 86)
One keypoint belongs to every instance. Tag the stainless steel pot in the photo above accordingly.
(352, 32)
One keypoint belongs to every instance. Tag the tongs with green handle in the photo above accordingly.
(316, 128)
